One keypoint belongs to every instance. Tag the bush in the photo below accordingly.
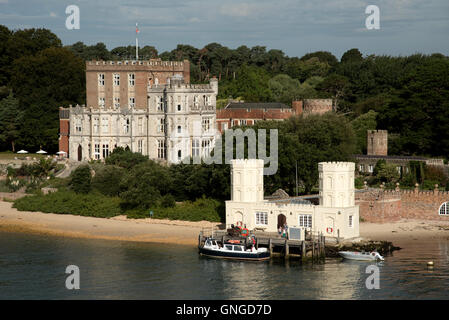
(81, 179)
(68, 202)
(201, 209)
(168, 201)
(107, 180)
(125, 158)
(144, 185)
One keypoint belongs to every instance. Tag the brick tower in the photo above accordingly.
(377, 144)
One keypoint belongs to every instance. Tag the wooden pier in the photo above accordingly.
(311, 249)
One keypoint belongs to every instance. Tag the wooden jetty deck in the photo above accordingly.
(311, 249)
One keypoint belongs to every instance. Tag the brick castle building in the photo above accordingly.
(248, 113)
(147, 106)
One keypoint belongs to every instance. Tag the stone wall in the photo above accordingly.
(377, 205)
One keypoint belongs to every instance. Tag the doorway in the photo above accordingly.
(80, 153)
(282, 221)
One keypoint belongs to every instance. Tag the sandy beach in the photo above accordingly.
(117, 228)
(184, 232)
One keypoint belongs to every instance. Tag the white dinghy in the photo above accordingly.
(363, 256)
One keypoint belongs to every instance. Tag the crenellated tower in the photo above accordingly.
(336, 184)
(247, 180)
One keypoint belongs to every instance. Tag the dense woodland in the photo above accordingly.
(408, 96)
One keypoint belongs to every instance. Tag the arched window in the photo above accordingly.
(444, 209)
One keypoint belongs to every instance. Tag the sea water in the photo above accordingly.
(34, 267)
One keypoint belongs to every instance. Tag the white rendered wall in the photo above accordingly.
(247, 180)
(336, 184)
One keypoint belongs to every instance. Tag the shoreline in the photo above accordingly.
(184, 232)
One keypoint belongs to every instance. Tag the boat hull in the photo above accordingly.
(359, 257)
(246, 256)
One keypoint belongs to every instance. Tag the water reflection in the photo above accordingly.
(33, 267)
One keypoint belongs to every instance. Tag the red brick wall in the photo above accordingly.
(225, 115)
(386, 206)
(64, 126)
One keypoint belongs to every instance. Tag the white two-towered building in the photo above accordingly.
(336, 215)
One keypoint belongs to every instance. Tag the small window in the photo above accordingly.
(444, 210)
(228, 247)
(305, 220)
(179, 107)
(131, 79)
(116, 79)
(351, 222)
(262, 218)
(238, 248)
(179, 129)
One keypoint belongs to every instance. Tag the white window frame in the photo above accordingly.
(161, 125)
(444, 209)
(161, 149)
(117, 102)
(97, 151)
(131, 79)
(132, 102)
(195, 148)
(78, 126)
(126, 126)
(206, 124)
(160, 103)
(305, 220)
(101, 79)
(261, 218)
(101, 101)
(116, 79)
(105, 150)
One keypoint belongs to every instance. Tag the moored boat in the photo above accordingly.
(362, 256)
(212, 248)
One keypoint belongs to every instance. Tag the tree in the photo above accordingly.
(125, 158)
(361, 125)
(323, 56)
(144, 185)
(81, 179)
(107, 180)
(352, 55)
(42, 83)
(10, 120)
(336, 86)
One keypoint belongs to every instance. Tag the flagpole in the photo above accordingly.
(137, 44)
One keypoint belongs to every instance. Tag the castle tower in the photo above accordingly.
(336, 184)
(317, 106)
(377, 143)
(247, 180)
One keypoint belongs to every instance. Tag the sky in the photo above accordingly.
(296, 27)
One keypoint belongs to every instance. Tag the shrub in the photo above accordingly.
(107, 180)
(69, 202)
(168, 201)
(201, 209)
(125, 158)
(81, 179)
(144, 185)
